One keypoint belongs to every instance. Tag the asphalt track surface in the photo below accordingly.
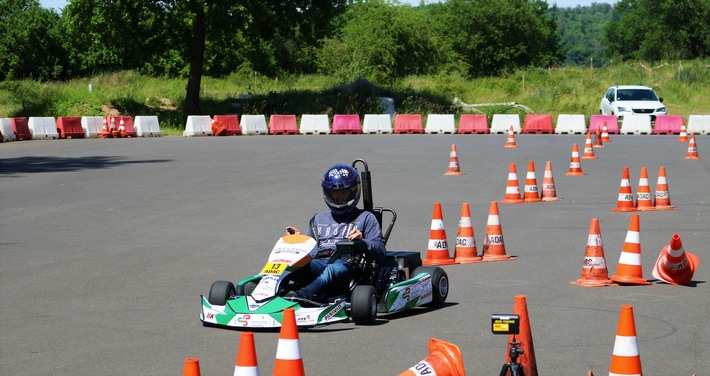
(106, 246)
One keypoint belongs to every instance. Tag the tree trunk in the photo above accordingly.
(194, 80)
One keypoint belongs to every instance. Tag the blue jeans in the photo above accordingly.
(328, 276)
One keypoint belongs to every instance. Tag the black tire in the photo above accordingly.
(220, 292)
(246, 289)
(439, 284)
(363, 308)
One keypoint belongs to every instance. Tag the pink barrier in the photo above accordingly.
(597, 121)
(70, 127)
(283, 124)
(477, 123)
(668, 124)
(231, 122)
(408, 123)
(346, 124)
(538, 124)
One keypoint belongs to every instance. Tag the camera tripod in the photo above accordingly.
(515, 368)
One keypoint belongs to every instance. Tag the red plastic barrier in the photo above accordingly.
(668, 124)
(408, 123)
(231, 122)
(346, 124)
(21, 128)
(597, 121)
(470, 123)
(70, 127)
(283, 124)
(538, 124)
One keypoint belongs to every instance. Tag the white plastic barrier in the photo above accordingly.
(147, 126)
(636, 124)
(570, 124)
(377, 123)
(502, 122)
(440, 124)
(314, 124)
(253, 124)
(92, 125)
(43, 127)
(198, 125)
(8, 134)
(699, 124)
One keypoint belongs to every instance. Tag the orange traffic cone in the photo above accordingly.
(674, 264)
(113, 129)
(466, 251)
(629, 270)
(644, 202)
(575, 165)
(692, 148)
(288, 352)
(493, 245)
(438, 250)
(444, 359)
(549, 193)
(625, 203)
(594, 271)
(246, 364)
(218, 128)
(605, 134)
(105, 133)
(625, 359)
(511, 139)
(453, 163)
(598, 142)
(588, 148)
(663, 196)
(524, 338)
(512, 189)
(122, 128)
(192, 367)
(531, 193)
(683, 137)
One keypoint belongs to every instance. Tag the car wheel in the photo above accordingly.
(439, 284)
(246, 288)
(220, 292)
(363, 308)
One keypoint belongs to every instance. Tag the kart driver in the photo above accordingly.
(344, 221)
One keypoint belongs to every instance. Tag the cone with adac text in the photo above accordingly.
(454, 169)
(444, 359)
(512, 188)
(692, 148)
(644, 201)
(192, 367)
(629, 270)
(438, 249)
(511, 139)
(594, 270)
(588, 148)
(675, 265)
(524, 338)
(288, 353)
(531, 193)
(549, 192)
(493, 244)
(625, 359)
(246, 364)
(663, 195)
(625, 202)
(575, 165)
(466, 251)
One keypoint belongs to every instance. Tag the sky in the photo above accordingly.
(58, 4)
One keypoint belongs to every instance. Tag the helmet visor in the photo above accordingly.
(341, 198)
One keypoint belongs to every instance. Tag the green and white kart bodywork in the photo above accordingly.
(255, 302)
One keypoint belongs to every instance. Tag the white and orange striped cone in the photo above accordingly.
(112, 128)
(511, 139)
(594, 270)
(683, 136)
(454, 169)
(605, 134)
(438, 250)
(105, 133)
(598, 142)
(644, 201)
(444, 359)
(246, 364)
(625, 359)
(692, 148)
(663, 195)
(625, 202)
(122, 128)
(192, 367)
(675, 265)
(524, 338)
(466, 251)
(575, 165)
(588, 148)
(288, 352)
(549, 192)
(512, 188)
(629, 271)
(493, 244)
(531, 193)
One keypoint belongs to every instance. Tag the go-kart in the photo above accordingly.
(397, 284)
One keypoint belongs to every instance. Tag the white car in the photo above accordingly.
(630, 100)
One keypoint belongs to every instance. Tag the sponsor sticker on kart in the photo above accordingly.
(274, 268)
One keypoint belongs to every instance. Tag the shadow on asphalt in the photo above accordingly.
(30, 165)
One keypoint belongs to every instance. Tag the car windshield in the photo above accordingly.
(636, 95)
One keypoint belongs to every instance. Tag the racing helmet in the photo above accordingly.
(341, 188)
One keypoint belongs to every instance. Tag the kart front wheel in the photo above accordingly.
(363, 308)
(220, 292)
(246, 289)
(439, 284)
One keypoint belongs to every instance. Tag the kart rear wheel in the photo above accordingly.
(220, 292)
(363, 308)
(439, 284)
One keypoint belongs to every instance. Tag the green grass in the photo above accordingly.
(685, 87)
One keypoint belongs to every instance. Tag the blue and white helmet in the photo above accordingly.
(341, 188)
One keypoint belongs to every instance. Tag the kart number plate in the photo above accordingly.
(274, 268)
